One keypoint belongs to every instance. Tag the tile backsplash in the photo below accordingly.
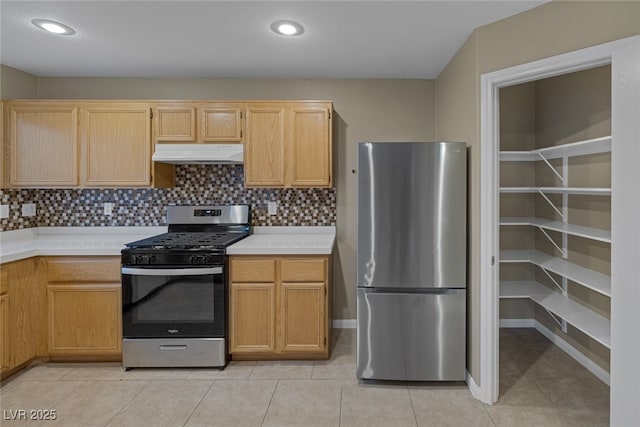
(195, 185)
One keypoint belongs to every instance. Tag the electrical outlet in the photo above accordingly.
(272, 208)
(4, 211)
(29, 209)
(108, 209)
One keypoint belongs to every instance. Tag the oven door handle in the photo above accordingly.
(171, 271)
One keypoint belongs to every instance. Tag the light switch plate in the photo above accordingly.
(4, 211)
(108, 209)
(28, 209)
(272, 208)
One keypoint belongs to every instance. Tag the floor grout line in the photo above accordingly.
(270, 400)
(201, 400)
(413, 409)
(128, 402)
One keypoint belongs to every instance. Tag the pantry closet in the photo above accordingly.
(555, 211)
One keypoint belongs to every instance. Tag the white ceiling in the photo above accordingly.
(342, 39)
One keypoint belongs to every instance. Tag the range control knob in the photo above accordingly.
(142, 259)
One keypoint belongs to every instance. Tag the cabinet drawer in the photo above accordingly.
(4, 281)
(83, 270)
(253, 270)
(303, 270)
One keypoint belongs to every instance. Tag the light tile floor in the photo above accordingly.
(540, 386)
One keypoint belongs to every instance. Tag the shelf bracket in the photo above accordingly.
(553, 169)
(551, 204)
(550, 239)
(552, 279)
(557, 319)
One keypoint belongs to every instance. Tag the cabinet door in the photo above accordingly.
(264, 147)
(302, 317)
(117, 145)
(252, 317)
(24, 311)
(175, 123)
(309, 147)
(43, 145)
(4, 329)
(84, 319)
(221, 122)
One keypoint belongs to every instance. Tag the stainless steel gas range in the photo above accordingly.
(174, 289)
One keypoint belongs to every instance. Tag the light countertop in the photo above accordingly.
(286, 241)
(94, 241)
(58, 241)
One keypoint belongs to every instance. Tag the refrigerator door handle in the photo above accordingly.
(402, 291)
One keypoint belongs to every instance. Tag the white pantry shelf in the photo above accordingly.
(575, 230)
(580, 148)
(595, 191)
(593, 280)
(581, 317)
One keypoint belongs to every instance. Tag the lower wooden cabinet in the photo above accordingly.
(279, 307)
(24, 305)
(253, 317)
(4, 332)
(84, 319)
(83, 306)
(302, 317)
(59, 307)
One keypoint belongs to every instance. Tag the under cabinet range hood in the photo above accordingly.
(198, 153)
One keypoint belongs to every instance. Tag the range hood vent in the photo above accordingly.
(198, 153)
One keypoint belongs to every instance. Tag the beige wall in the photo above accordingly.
(17, 84)
(551, 29)
(366, 110)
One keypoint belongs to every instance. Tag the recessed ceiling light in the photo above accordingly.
(53, 27)
(287, 28)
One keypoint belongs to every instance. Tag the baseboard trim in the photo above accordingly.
(344, 323)
(473, 387)
(590, 365)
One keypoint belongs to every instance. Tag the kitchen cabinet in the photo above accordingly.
(4, 332)
(71, 143)
(4, 321)
(215, 122)
(116, 145)
(279, 307)
(42, 144)
(83, 306)
(288, 144)
(25, 309)
(264, 158)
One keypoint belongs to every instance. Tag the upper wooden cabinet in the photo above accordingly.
(42, 144)
(288, 144)
(309, 146)
(219, 122)
(92, 143)
(264, 151)
(116, 145)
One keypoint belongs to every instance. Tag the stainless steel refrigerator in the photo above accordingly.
(412, 249)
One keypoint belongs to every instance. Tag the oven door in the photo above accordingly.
(173, 302)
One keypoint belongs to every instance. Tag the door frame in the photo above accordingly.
(624, 56)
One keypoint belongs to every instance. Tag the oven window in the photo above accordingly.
(173, 305)
(173, 298)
